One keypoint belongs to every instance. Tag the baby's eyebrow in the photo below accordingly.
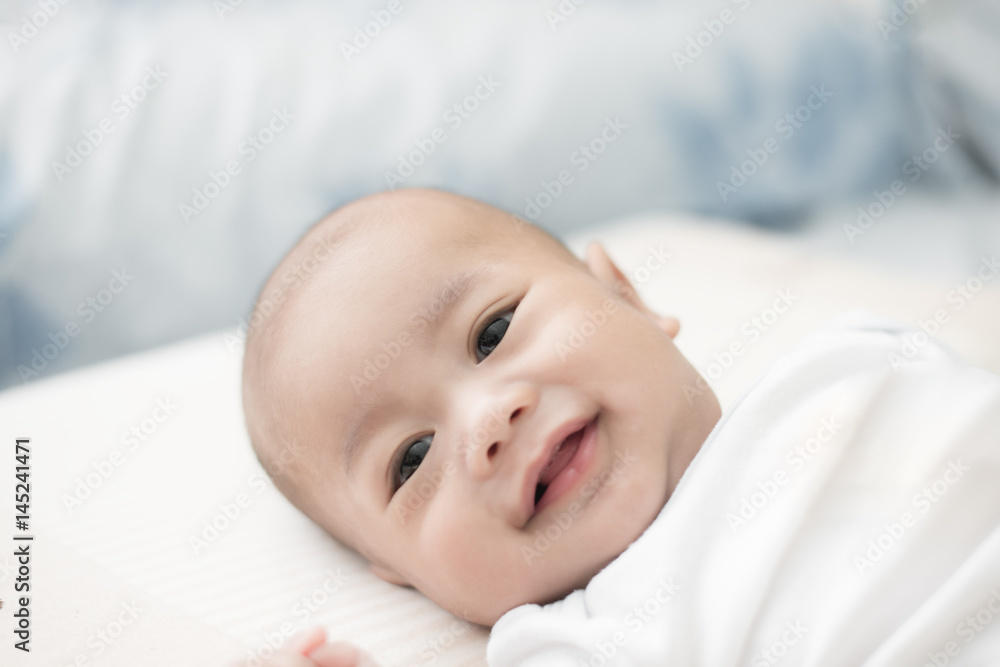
(451, 293)
(363, 428)
(445, 299)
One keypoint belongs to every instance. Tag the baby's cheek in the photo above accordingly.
(582, 330)
(460, 564)
(444, 531)
(622, 350)
(468, 544)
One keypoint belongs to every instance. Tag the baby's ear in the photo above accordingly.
(386, 573)
(605, 270)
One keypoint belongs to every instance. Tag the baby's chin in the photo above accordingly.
(487, 611)
(487, 615)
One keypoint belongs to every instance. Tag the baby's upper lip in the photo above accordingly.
(541, 457)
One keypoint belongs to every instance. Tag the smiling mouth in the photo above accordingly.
(561, 457)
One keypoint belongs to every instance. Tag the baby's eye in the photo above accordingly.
(492, 335)
(413, 457)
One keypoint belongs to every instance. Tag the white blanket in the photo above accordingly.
(845, 511)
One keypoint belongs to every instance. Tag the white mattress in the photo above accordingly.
(129, 542)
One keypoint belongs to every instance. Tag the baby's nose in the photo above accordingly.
(486, 442)
(493, 423)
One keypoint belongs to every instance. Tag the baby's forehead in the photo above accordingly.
(397, 275)
(428, 260)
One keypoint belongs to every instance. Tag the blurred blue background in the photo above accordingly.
(158, 159)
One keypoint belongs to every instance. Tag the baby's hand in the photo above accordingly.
(310, 649)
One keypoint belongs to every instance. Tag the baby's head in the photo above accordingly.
(450, 391)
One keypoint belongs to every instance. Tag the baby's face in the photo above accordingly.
(485, 417)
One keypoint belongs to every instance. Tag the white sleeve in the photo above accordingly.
(561, 634)
(529, 635)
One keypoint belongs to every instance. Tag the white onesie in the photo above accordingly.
(845, 511)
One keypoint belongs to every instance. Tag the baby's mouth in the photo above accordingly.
(562, 455)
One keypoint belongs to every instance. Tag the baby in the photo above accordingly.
(504, 427)
(416, 349)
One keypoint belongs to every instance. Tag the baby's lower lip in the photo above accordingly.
(575, 470)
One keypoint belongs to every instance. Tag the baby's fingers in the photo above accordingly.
(299, 646)
(307, 640)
